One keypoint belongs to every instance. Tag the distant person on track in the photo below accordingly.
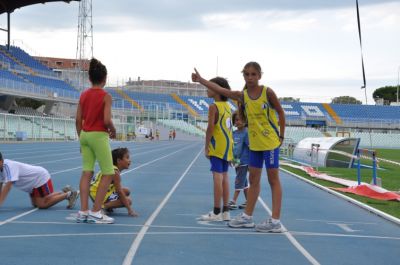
(34, 180)
(173, 134)
(241, 159)
(117, 196)
(266, 134)
(157, 135)
(218, 148)
(94, 127)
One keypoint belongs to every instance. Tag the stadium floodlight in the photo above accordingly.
(398, 84)
(84, 48)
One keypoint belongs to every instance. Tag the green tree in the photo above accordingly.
(388, 93)
(345, 100)
(289, 99)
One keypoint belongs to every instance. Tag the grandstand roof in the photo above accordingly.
(10, 5)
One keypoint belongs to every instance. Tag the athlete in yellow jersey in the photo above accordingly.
(219, 149)
(111, 194)
(221, 142)
(266, 133)
(117, 196)
(262, 122)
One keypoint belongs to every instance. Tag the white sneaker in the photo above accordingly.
(211, 217)
(268, 226)
(99, 218)
(72, 199)
(226, 216)
(81, 217)
(241, 222)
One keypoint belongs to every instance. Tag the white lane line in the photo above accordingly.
(79, 157)
(222, 227)
(295, 243)
(64, 147)
(150, 162)
(32, 151)
(71, 169)
(335, 221)
(345, 227)
(343, 235)
(49, 155)
(62, 152)
(228, 231)
(65, 170)
(136, 243)
(142, 165)
(67, 235)
(17, 216)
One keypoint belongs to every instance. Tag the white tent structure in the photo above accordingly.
(327, 151)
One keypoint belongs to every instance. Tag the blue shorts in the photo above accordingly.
(241, 182)
(218, 165)
(271, 158)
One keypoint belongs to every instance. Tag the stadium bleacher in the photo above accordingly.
(23, 74)
(28, 60)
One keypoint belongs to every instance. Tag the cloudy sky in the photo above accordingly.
(308, 49)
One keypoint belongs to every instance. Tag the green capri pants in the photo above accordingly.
(95, 145)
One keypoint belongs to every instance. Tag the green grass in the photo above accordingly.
(390, 180)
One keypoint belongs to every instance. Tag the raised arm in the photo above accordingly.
(235, 95)
(122, 196)
(281, 114)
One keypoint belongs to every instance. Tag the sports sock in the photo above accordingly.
(96, 214)
(275, 221)
(246, 216)
(217, 210)
(225, 209)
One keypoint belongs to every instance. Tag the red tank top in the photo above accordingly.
(92, 107)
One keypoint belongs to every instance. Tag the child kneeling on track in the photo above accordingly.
(241, 159)
(34, 180)
(117, 196)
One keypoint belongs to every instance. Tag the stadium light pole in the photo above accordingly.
(398, 84)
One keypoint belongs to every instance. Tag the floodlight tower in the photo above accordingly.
(84, 47)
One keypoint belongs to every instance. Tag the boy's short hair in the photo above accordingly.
(222, 82)
(119, 153)
(237, 114)
(234, 115)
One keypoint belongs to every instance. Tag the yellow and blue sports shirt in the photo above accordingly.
(262, 122)
(221, 144)
(94, 184)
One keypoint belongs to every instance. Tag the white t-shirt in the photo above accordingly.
(25, 177)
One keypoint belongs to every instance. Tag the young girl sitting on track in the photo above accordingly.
(117, 196)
